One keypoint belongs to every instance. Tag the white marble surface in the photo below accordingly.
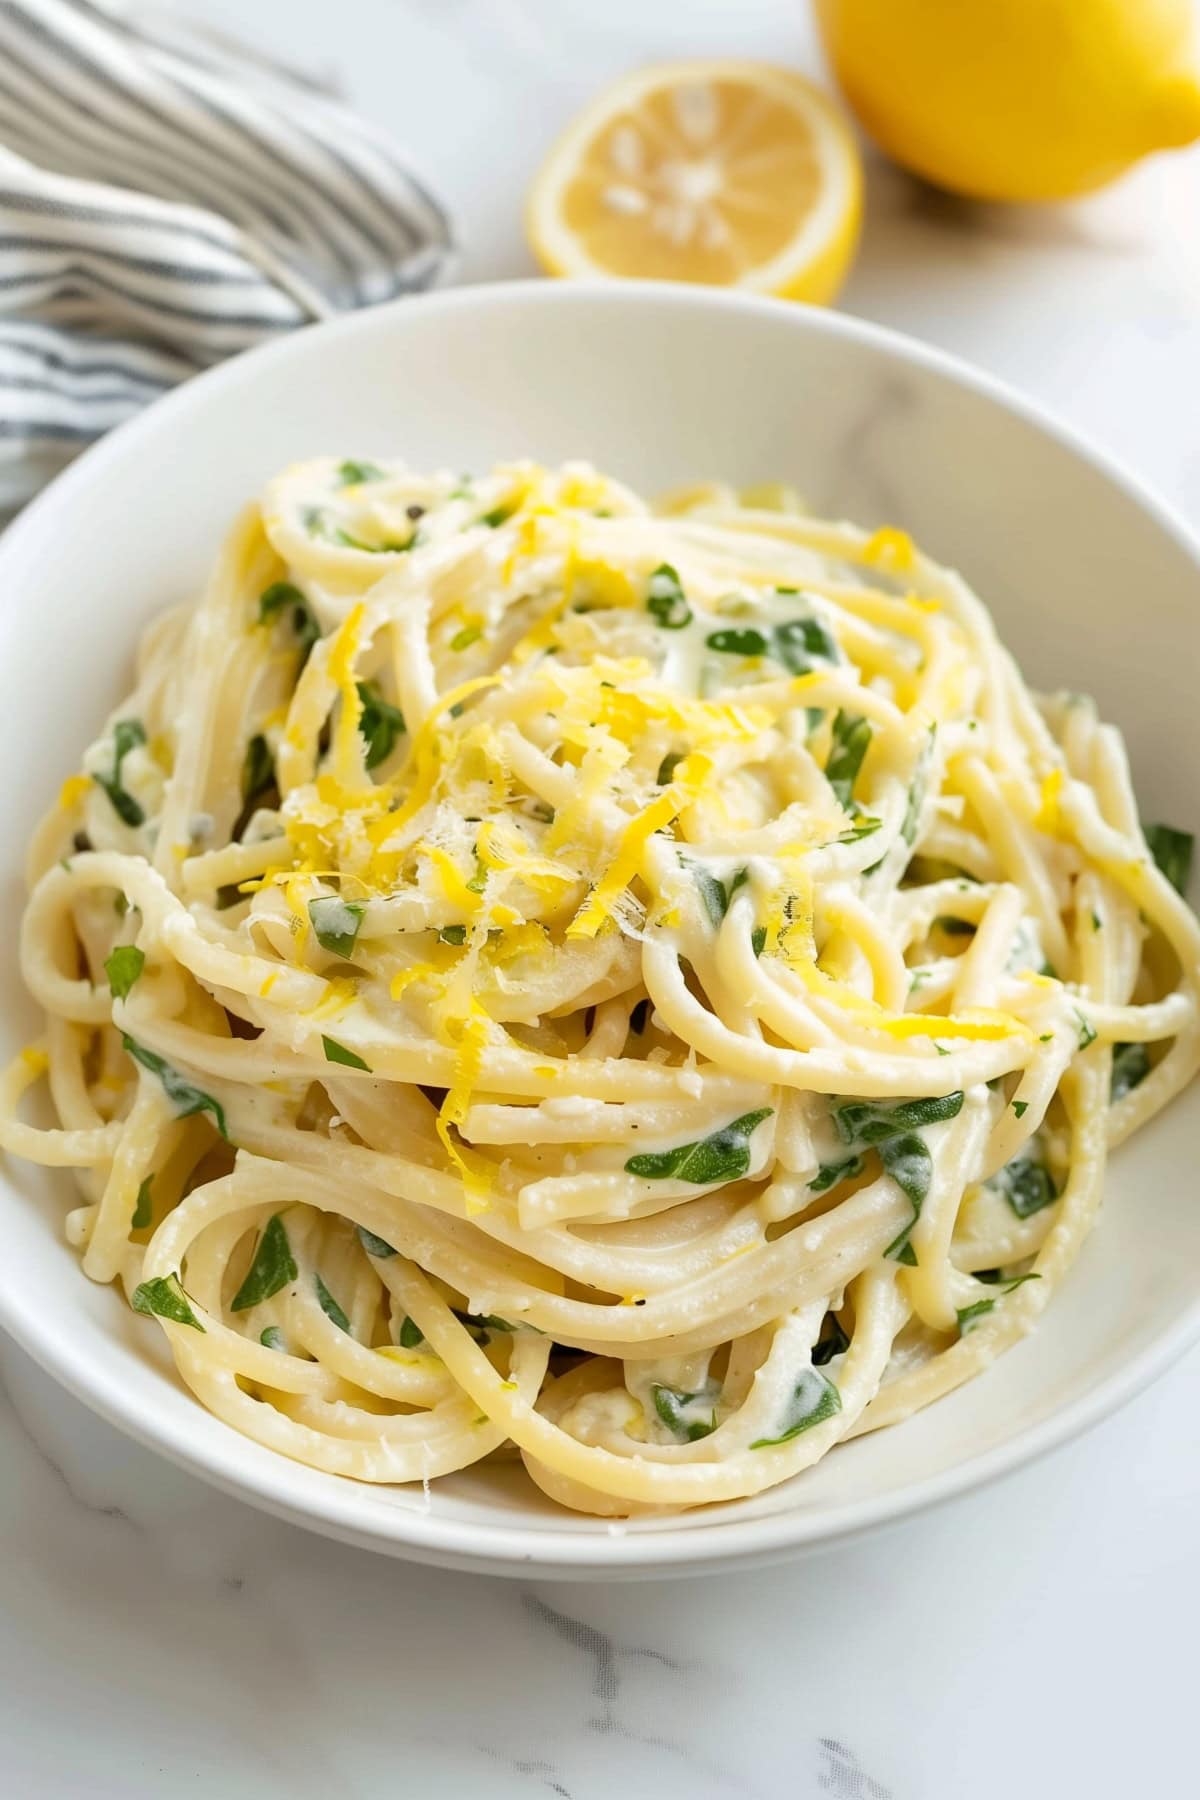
(157, 1638)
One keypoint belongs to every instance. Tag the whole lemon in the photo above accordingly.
(1018, 99)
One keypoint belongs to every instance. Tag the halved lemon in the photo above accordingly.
(733, 173)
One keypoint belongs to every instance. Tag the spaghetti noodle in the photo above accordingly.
(650, 991)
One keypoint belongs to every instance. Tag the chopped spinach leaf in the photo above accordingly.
(1020, 1107)
(143, 1206)
(952, 927)
(969, 1316)
(916, 792)
(1130, 1067)
(715, 895)
(329, 1305)
(164, 1296)
(829, 1174)
(831, 1343)
(1172, 851)
(801, 642)
(758, 939)
(814, 1399)
(1026, 1184)
(723, 1156)
(735, 642)
(871, 1121)
(666, 600)
(283, 596)
(335, 922)
(272, 1268)
(671, 1406)
(380, 723)
(851, 737)
(127, 735)
(123, 967)
(668, 766)
(258, 769)
(188, 1098)
(453, 934)
(374, 1246)
(274, 1339)
(338, 1053)
(1087, 1034)
(410, 1333)
(352, 474)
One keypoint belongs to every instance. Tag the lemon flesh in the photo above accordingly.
(728, 173)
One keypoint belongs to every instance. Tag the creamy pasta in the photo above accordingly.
(647, 990)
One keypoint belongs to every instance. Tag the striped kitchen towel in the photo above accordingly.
(165, 202)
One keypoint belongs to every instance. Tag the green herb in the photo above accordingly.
(893, 1130)
(850, 739)
(668, 766)
(1020, 1107)
(329, 1305)
(273, 1267)
(969, 1316)
(801, 642)
(666, 599)
(715, 895)
(1097, 922)
(1026, 1184)
(453, 934)
(281, 596)
(908, 1162)
(670, 1404)
(953, 927)
(723, 1156)
(499, 514)
(814, 1399)
(374, 1246)
(1087, 1034)
(164, 1296)
(410, 1334)
(470, 634)
(871, 1121)
(336, 922)
(758, 939)
(338, 1053)
(317, 524)
(188, 1099)
(127, 735)
(1130, 1067)
(916, 792)
(864, 827)
(123, 966)
(831, 1343)
(274, 1339)
(737, 643)
(1172, 851)
(258, 769)
(829, 1174)
(639, 1016)
(143, 1207)
(478, 881)
(380, 723)
(352, 474)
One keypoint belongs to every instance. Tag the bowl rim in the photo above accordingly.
(344, 1511)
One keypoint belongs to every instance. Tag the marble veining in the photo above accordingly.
(160, 1639)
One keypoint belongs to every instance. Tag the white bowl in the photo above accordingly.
(1092, 582)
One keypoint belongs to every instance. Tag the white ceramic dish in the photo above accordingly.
(1093, 583)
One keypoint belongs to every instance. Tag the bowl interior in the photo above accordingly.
(1089, 582)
